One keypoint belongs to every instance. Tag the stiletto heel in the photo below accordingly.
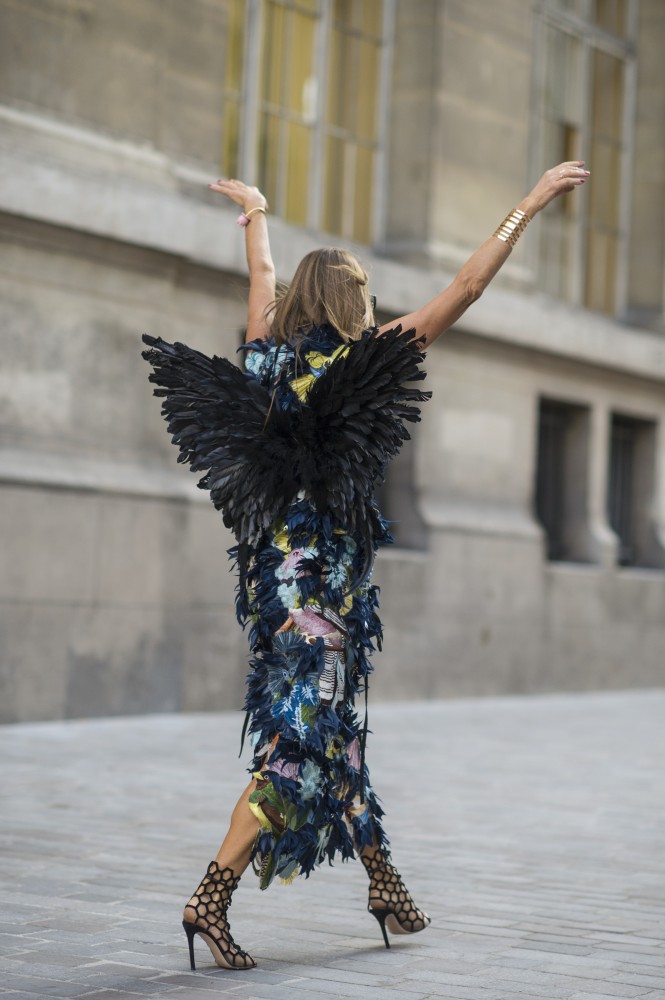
(190, 931)
(381, 917)
(389, 901)
(209, 905)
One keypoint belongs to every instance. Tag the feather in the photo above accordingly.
(257, 456)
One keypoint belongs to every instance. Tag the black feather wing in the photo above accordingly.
(354, 421)
(257, 457)
(223, 423)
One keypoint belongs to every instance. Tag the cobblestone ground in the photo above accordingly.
(532, 829)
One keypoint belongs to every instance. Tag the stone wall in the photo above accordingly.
(115, 593)
(481, 610)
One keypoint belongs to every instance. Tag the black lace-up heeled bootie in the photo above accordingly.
(210, 902)
(389, 900)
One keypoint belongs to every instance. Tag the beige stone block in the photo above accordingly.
(34, 660)
(140, 544)
(636, 597)
(153, 71)
(484, 73)
(580, 659)
(477, 435)
(490, 578)
(408, 658)
(417, 54)
(509, 23)
(479, 171)
(124, 660)
(83, 383)
(476, 659)
(216, 662)
(192, 117)
(408, 218)
(575, 597)
(210, 578)
(209, 310)
(48, 544)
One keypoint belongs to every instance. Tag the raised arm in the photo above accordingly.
(472, 279)
(259, 259)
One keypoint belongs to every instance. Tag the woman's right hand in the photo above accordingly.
(242, 194)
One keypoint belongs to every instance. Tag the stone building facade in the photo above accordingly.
(530, 507)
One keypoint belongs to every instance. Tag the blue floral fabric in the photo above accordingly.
(311, 640)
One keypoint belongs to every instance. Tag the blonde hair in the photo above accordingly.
(329, 286)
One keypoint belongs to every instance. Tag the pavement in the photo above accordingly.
(531, 828)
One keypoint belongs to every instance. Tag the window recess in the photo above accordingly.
(561, 487)
(631, 491)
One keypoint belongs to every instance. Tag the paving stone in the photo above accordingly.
(651, 969)
(43, 986)
(632, 961)
(562, 949)
(602, 996)
(635, 979)
(108, 995)
(541, 858)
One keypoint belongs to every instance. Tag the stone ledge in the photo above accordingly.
(83, 474)
(71, 177)
(481, 519)
(578, 569)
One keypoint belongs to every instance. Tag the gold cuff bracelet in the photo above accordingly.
(512, 226)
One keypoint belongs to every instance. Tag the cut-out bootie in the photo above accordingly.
(389, 900)
(210, 903)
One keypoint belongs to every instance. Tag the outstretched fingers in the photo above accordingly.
(571, 174)
(242, 194)
(558, 180)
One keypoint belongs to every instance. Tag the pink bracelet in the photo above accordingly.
(245, 218)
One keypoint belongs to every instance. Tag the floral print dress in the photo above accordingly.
(311, 638)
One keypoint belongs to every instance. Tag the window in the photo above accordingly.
(561, 479)
(587, 60)
(302, 111)
(286, 106)
(631, 490)
(351, 118)
(233, 77)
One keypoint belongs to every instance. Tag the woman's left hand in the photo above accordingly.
(242, 194)
(558, 180)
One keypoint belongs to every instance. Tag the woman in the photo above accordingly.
(292, 451)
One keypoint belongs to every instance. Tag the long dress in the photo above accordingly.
(304, 575)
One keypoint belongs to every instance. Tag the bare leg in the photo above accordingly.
(236, 849)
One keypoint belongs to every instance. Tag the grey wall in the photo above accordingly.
(115, 593)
